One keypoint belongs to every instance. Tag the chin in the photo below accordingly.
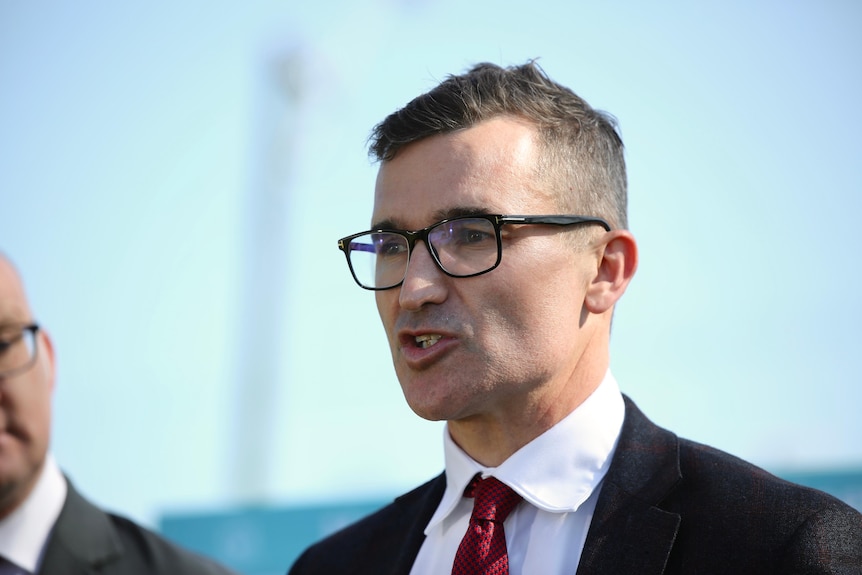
(431, 410)
(428, 413)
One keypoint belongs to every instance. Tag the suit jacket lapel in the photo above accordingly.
(629, 533)
(421, 504)
(83, 538)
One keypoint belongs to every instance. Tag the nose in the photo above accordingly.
(424, 282)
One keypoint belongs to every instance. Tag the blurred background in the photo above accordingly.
(174, 177)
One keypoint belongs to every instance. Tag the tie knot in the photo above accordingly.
(494, 500)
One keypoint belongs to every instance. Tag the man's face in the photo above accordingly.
(510, 340)
(25, 401)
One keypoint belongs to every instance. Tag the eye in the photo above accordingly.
(469, 233)
(7, 341)
(390, 245)
(473, 236)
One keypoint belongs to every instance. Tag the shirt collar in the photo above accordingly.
(558, 470)
(25, 531)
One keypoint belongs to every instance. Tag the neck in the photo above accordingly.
(491, 438)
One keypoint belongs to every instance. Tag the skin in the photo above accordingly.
(25, 401)
(523, 345)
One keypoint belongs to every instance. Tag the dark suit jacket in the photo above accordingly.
(86, 540)
(667, 506)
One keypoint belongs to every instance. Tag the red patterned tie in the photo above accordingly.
(483, 549)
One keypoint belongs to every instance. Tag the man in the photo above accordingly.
(506, 193)
(46, 526)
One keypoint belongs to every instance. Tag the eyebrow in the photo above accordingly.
(6, 327)
(439, 215)
(12, 314)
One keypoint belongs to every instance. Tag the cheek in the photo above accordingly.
(42, 421)
(35, 406)
(383, 301)
(387, 309)
(505, 321)
(536, 310)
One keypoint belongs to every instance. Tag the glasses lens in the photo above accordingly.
(379, 260)
(17, 350)
(465, 246)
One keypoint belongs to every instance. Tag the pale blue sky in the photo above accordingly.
(137, 141)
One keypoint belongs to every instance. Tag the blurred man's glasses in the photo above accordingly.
(462, 247)
(17, 349)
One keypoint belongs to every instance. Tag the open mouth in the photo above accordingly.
(427, 340)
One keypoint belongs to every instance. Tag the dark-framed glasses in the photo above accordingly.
(17, 349)
(461, 247)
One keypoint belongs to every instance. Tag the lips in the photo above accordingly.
(422, 348)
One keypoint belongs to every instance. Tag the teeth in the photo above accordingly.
(427, 340)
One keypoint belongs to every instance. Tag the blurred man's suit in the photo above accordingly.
(87, 540)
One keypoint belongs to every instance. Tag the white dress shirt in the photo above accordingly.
(558, 474)
(24, 532)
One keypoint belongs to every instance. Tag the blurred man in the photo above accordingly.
(46, 526)
(498, 250)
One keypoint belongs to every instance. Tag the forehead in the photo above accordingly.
(490, 167)
(13, 301)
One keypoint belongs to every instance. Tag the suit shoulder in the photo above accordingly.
(88, 539)
(735, 508)
(715, 469)
(159, 555)
(395, 515)
(377, 542)
(731, 483)
(698, 478)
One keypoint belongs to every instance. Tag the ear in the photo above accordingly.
(616, 267)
